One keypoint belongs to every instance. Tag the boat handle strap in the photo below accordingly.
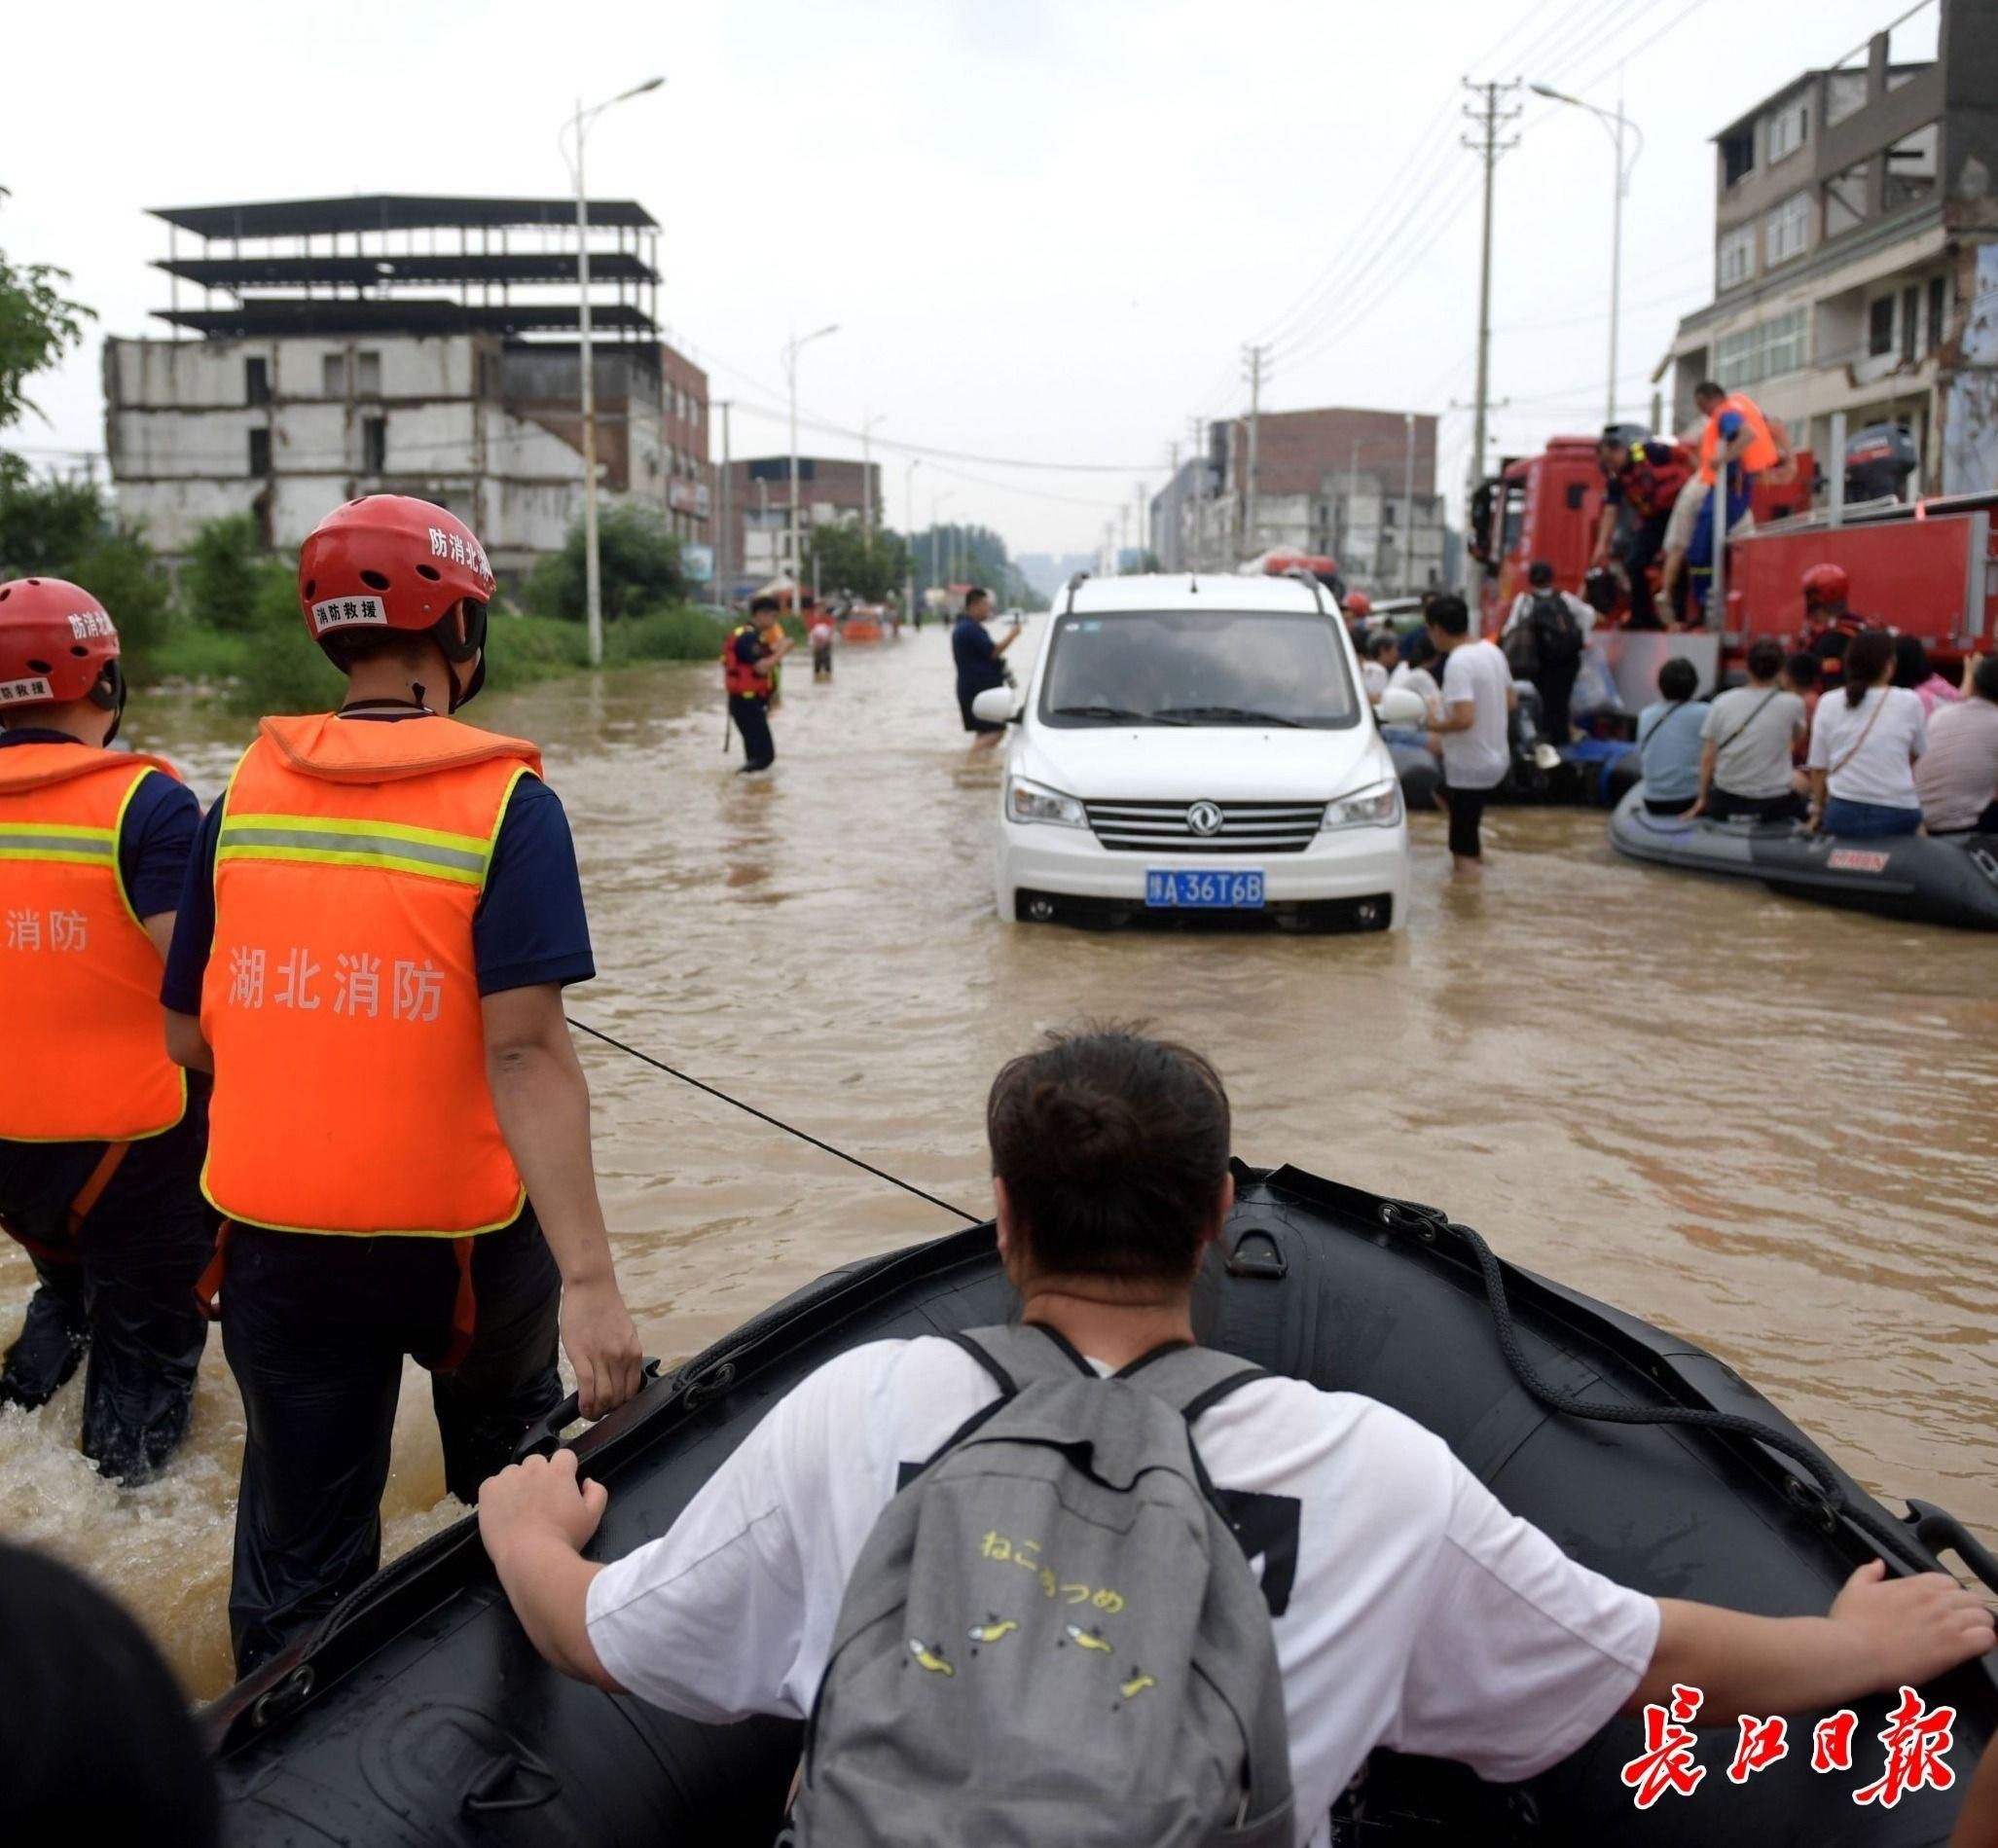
(544, 1435)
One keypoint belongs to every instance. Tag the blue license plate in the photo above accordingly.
(1204, 892)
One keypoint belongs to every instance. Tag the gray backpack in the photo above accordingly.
(1052, 1635)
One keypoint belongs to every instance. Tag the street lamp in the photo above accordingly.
(867, 425)
(791, 373)
(935, 505)
(1616, 121)
(909, 532)
(592, 575)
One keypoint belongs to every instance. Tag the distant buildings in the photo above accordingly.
(1359, 486)
(757, 541)
(1047, 572)
(325, 348)
(1855, 255)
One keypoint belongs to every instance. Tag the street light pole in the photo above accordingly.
(867, 425)
(1617, 123)
(936, 502)
(909, 519)
(797, 547)
(592, 572)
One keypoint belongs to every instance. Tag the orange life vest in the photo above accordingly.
(1761, 451)
(342, 993)
(85, 1045)
(742, 680)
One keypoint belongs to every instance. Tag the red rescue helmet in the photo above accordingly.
(1825, 584)
(1358, 603)
(392, 561)
(57, 644)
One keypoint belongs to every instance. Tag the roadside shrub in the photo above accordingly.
(639, 560)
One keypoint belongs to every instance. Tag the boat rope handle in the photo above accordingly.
(1813, 1462)
(776, 1122)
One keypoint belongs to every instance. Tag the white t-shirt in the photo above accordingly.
(1374, 679)
(1881, 769)
(1479, 758)
(823, 634)
(1420, 1614)
(1419, 680)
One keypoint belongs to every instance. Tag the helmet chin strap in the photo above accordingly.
(108, 695)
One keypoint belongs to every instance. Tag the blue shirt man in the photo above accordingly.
(979, 667)
(1668, 741)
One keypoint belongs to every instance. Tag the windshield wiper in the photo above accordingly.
(1118, 715)
(1229, 715)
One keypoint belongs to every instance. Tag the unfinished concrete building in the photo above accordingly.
(323, 348)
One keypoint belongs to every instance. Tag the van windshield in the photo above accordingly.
(1198, 668)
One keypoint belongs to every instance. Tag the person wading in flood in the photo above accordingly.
(980, 664)
(1405, 1606)
(400, 1130)
(100, 1134)
(749, 671)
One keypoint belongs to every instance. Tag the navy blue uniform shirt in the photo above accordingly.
(977, 659)
(529, 927)
(156, 838)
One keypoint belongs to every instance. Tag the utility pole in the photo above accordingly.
(1347, 543)
(909, 549)
(725, 530)
(867, 425)
(1175, 507)
(1200, 493)
(1257, 358)
(1138, 517)
(1490, 117)
(1409, 505)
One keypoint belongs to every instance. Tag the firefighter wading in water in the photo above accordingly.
(379, 916)
(100, 1134)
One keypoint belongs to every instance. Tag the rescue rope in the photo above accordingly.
(1823, 1478)
(776, 1122)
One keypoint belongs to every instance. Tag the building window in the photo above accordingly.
(333, 375)
(1737, 256)
(1911, 320)
(256, 380)
(260, 451)
(374, 445)
(1911, 169)
(1738, 155)
(1788, 127)
(1846, 96)
(1881, 326)
(1939, 292)
(1766, 350)
(368, 375)
(1787, 228)
(1845, 199)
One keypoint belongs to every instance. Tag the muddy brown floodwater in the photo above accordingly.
(1766, 1126)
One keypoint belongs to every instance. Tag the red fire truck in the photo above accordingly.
(1927, 569)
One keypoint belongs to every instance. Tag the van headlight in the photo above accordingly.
(1035, 802)
(1377, 806)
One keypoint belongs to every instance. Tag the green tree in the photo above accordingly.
(640, 563)
(1144, 564)
(870, 565)
(228, 582)
(62, 529)
(38, 325)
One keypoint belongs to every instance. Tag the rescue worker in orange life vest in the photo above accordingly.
(750, 670)
(101, 1135)
(378, 921)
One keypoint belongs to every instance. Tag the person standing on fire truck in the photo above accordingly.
(1645, 477)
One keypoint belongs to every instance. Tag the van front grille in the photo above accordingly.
(1246, 827)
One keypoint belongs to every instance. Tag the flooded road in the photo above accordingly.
(1763, 1125)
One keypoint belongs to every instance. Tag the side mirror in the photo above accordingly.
(999, 705)
(1401, 705)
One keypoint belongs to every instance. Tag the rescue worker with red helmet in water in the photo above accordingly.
(379, 919)
(101, 1135)
(1828, 624)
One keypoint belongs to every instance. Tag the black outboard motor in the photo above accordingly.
(1879, 460)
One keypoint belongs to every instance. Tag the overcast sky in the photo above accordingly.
(1045, 226)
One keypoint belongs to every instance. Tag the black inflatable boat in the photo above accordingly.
(1590, 772)
(419, 1714)
(1908, 876)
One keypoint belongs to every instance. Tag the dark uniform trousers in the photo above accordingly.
(120, 1283)
(752, 719)
(315, 1327)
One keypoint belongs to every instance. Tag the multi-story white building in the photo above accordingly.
(313, 370)
(1855, 255)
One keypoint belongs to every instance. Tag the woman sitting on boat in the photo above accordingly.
(1407, 1606)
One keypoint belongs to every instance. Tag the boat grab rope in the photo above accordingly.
(776, 1122)
(1829, 1492)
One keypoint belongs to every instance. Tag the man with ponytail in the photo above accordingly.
(1405, 1606)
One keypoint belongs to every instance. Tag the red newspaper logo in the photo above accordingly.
(1763, 1743)
(1858, 859)
(1666, 1762)
(1831, 1741)
(1916, 1740)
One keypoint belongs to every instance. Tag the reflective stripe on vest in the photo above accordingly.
(86, 1057)
(342, 993)
(1761, 451)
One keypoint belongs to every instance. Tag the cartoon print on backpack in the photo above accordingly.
(992, 1629)
(932, 1660)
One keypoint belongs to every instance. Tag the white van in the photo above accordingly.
(1197, 744)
